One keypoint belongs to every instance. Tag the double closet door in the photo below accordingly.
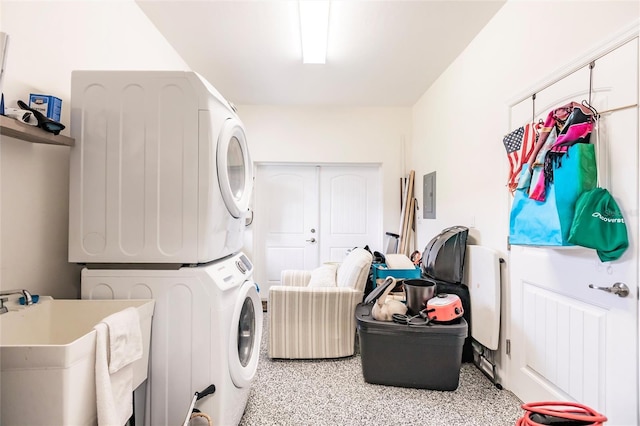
(306, 215)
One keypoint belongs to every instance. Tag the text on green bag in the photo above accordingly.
(607, 219)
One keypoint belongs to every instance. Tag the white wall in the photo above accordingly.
(47, 41)
(334, 135)
(458, 124)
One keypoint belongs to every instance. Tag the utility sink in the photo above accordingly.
(47, 359)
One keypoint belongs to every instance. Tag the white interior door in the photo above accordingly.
(350, 210)
(286, 222)
(568, 341)
(308, 214)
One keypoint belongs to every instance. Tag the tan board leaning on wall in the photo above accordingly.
(406, 220)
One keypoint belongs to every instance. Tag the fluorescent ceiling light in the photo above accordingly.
(314, 29)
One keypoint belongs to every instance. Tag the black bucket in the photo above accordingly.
(418, 291)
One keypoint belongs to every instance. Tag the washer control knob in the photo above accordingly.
(241, 266)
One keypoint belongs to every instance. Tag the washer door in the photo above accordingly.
(235, 172)
(245, 336)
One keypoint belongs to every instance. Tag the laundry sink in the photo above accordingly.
(47, 359)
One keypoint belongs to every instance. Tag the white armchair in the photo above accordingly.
(312, 313)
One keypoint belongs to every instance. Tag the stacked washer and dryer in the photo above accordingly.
(160, 181)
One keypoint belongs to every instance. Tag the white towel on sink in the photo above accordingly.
(118, 345)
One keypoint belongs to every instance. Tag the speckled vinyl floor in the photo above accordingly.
(333, 392)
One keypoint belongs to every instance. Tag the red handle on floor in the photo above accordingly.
(566, 410)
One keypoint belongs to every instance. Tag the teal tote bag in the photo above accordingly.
(548, 222)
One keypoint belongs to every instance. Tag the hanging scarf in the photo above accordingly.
(573, 124)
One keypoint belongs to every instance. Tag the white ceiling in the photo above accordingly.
(380, 53)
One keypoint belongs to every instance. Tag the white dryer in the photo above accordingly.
(160, 172)
(207, 328)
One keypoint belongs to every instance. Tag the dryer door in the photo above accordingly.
(245, 336)
(235, 171)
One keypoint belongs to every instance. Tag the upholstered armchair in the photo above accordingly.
(312, 313)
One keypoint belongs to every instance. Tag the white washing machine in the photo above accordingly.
(160, 172)
(206, 329)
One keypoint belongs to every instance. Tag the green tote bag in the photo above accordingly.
(598, 224)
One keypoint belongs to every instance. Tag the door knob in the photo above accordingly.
(312, 240)
(620, 289)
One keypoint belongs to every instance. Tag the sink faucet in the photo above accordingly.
(28, 300)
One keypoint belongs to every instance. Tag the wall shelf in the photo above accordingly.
(16, 129)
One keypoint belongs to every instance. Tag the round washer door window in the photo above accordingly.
(246, 334)
(235, 171)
